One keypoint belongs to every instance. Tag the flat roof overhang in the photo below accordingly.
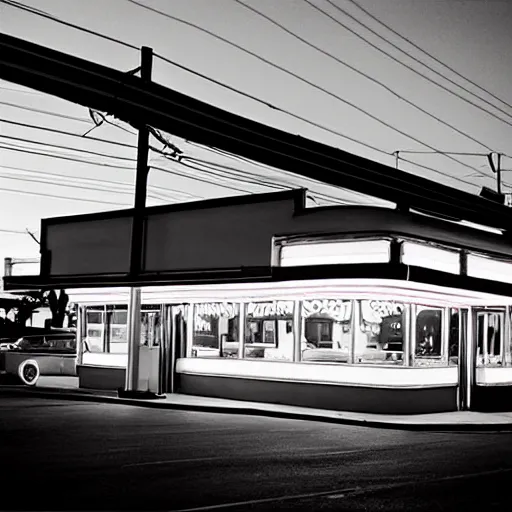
(407, 275)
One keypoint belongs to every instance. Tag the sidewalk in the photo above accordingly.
(449, 421)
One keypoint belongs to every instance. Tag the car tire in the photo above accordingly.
(28, 372)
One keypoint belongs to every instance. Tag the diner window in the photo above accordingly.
(269, 330)
(150, 333)
(429, 337)
(117, 333)
(453, 340)
(215, 330)
(380, 338)
(490, 335)
(326, 330)
(94, 340)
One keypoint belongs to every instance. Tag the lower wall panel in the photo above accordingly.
(101, 377)
(334, 397)
(491, 398)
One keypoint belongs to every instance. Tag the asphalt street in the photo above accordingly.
(65, 455)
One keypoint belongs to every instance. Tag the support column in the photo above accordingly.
(132, 368)
(81, 333)
(297, 331)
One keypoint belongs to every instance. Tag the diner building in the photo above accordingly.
(260, 298)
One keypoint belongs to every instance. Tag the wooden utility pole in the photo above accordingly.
(496, 169)
(136, 249)
(141, 179)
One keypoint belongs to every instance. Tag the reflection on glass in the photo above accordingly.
(150, 333)
(215, 330)
(269, 330)
(380, 339)
(489, 338)
(326, 328)
(453, 342)
(429, 337)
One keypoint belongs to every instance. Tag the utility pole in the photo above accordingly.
(137, 238)
(498, 174)
(141, 179)
(496, 169)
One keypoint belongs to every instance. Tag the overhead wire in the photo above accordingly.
(295, 75)
(428, 54)
(46, 112)
(51, 17)
(419, 73)
(280, 153)
(13, 231)
(226, 86)
(76, 179)
(241, 48)
(364, 74)
(75, 198)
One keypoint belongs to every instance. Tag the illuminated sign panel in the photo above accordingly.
(487, 268)
(427, 256)
(332, 253)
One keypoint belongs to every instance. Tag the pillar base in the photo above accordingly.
(141, 395)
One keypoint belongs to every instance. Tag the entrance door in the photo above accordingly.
(174, 337)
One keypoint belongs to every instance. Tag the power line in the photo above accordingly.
(13, 231)
(443, 153)
(255, 55)
(174, 63)
(362, 73)
(412, 43)
(23, 7)
(74, 180)
(295, 75)
(40, 111)
(36, 93)
(60, 146)
(26, 192)
(378, 48)
(340, 161)
(273, 107)
(63, 132)
(62, 157)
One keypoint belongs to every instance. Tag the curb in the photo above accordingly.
(60, 394)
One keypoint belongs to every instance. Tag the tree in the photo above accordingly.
(58, 307)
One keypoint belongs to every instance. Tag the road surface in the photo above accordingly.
(66, 455)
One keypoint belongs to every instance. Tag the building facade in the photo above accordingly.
(260, 298)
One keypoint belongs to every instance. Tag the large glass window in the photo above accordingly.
(215, 331)
(269, 330)
(429, 347)
(380, 338)
(94, 329)
(326, 330)
(489, 338)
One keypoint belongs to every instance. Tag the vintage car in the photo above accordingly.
(29, 357)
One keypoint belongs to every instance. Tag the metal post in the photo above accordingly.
(241, 331)
(136, 249)
(498, 174)
(81, 333)
(132, 369)
(142, 174)
(297, 331)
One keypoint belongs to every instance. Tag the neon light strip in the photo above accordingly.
(370, 376)
(385, 289)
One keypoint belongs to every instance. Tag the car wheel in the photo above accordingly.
(28, 372)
